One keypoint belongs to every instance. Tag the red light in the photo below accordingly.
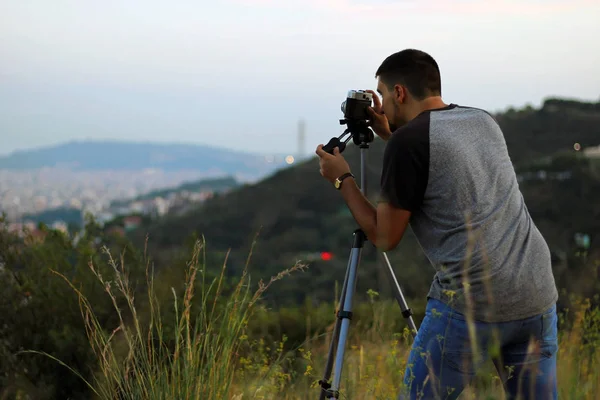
(326, 256)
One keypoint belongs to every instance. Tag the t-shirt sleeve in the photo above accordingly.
(405, 169)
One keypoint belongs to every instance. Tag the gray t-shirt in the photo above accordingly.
(450, 167)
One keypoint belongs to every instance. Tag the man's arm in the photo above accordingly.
(401, 187)
(384, 225)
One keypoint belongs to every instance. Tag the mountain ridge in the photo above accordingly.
(133, 155)
(76, 141)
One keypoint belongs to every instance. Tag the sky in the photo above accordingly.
(240, 74)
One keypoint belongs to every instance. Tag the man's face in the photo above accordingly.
(392, 108)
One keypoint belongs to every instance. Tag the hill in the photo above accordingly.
(557, 125)
(298, 214)
(63, 214)
(295, 212)
(116, 155)
(209, 184)
(214, 184)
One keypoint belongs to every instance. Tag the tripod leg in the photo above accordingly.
(345, 313)
(325, 385)
(406, 312)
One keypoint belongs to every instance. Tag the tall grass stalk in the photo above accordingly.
(139, 359)
(196, 345)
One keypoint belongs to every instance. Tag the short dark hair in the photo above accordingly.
(414, 69)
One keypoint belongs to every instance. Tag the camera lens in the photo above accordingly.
(344, 106)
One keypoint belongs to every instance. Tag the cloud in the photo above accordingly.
(385, 9)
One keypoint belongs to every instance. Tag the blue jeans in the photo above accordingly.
(443, 360)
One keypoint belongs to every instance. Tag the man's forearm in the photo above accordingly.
(361, 208)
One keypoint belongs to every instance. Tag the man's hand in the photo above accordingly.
(379, 121)
(384, 225)
(332, 165)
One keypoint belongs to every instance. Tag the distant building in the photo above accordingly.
(104, 217)
(162, 206)
(132, 222)
(21, 229)
(592, 152)
(75, 203)
(60, 226)
(35, 236)
(116, 230)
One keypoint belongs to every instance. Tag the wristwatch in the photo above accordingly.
(338, 182)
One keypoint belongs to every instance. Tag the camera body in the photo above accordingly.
(355, 105)
(357, 118)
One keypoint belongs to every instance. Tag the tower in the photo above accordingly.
(301, 139)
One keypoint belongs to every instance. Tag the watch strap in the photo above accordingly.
(341, 178)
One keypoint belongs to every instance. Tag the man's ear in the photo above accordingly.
(400, 93)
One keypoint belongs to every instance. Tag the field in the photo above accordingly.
(214, 339)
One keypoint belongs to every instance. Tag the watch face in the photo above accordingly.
(337, 183)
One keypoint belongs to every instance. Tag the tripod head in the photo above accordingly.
(362, 135)
(359, 131)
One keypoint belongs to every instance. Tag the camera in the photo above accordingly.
(357, 118)
(355, 105)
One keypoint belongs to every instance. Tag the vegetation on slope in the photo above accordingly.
(138, 319)
(81, 323)
(297, 213)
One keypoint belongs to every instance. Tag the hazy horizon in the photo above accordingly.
(239, 74)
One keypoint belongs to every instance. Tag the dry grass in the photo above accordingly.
(208, 355)
(375, 363)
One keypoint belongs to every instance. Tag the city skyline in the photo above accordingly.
(214, 73)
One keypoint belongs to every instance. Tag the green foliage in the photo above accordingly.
(89, 312)
(116, 328)
(40, 313)
(143, 358)
(535, 133)
(296, 212)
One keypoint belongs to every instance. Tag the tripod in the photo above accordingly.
(362, 136)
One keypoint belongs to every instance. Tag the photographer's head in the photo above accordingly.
(409, 83)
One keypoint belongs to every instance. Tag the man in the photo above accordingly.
(447, 172)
